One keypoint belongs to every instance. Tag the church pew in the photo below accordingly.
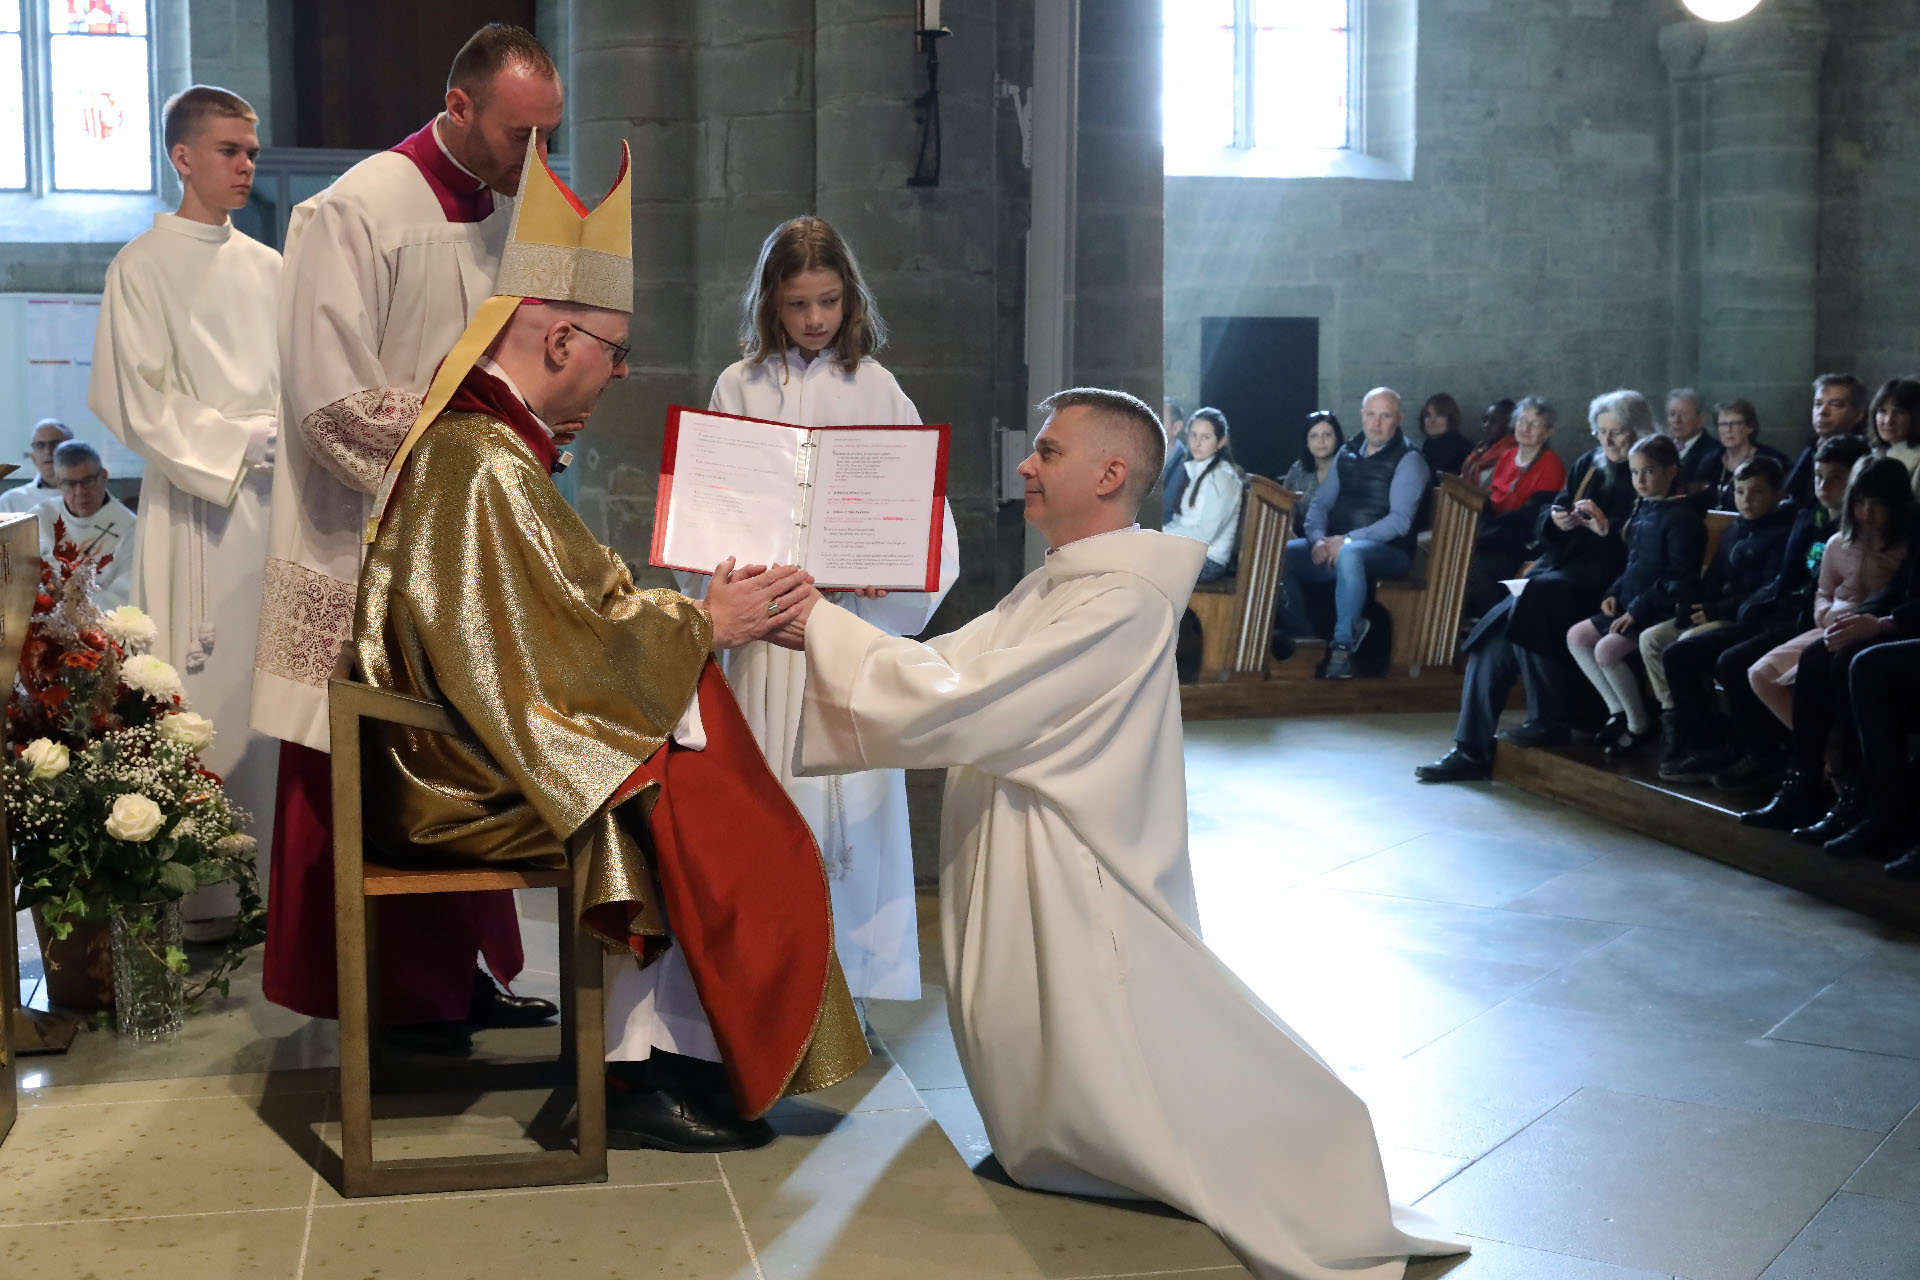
(1425, 605)
(1236, 615)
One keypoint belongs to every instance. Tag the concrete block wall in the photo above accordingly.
(231, 49)
(1527, 255)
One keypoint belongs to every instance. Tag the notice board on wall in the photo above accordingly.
(46, 359)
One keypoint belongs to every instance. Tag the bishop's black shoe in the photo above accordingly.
(492, 1007)
(670, 1119)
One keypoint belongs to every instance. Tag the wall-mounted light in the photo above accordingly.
(1711, 10)
(927, 35)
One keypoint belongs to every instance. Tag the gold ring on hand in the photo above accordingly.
(773, 608)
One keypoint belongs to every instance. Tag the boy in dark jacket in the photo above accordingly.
(1680, 652)
(1780, 611)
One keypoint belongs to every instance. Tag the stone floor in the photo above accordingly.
(1602, 1058)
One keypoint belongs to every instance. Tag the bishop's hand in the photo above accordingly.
(750, 602)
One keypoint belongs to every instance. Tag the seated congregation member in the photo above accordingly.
(1860, 562)
(597, 724)
(1110, 1051)
(1679, 652)
(1359, 528)
(1827, 724)
(1884, 687)
(48, 434)
(1175, 419)
(1737, 423)
(1699, 452)
(1207, 505)
(1441, 441)
(1524, 637)
(1896, 424)
(1839, 409)
(1754, 750)
(1306, 475)
(1524, 482)
(1666, 538)
(1495, 441)
(93, 520)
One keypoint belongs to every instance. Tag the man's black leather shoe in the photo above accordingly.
(492, 1007)
(659, 1120)
(1838, 820)
(1750, 771)
(1905, 867)
(441, 1039)
(1537, 733)
(1455, 766)
(1796, 803)
(1868, 838)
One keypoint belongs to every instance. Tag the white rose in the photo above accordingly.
(194, 732)
(130, 626)
(134, 818)
(152, 677)
(47, 758)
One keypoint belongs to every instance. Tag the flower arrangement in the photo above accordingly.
(111, 808)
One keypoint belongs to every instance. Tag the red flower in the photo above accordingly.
(43, 603)
(94, 639)
(53, 697)
(82, 660)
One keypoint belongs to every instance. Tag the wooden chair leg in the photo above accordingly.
(583, 970)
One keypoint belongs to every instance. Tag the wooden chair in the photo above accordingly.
(1425, 605)
(1718, 522)
(19, 580)
(358, 883)
(1236, 616)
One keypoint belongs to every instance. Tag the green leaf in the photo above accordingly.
(176, 959)
(177, 879)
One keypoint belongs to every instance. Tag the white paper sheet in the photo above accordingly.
(735, 493)
(872, 519)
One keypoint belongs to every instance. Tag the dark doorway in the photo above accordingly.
(1263, 372)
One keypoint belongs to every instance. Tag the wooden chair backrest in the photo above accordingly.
(1718, 522)
(1457, 505)
(1266, 522)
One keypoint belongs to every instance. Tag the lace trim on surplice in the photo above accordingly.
(356, 436)
(306, 619)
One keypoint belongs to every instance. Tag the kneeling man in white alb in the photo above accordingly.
(1109, 1051)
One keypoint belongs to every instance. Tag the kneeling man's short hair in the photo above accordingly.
(1135, 428)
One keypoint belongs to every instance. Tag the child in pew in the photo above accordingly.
(1747, 560)
(1206, 493)
(1666, 540)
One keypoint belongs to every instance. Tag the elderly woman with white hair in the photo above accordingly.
(1523, 637)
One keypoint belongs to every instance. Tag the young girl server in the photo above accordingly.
(808, 332)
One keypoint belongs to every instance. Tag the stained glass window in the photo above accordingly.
(13, 100)
(101, 90)
(1245, 74)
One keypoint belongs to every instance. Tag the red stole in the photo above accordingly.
(745, 895)
(481, 392)
(454, 188)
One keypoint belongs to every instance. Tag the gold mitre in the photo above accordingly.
(556, 251)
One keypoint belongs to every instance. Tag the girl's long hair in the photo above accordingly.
(1888, 481)
(802, 244)
(1184, 490)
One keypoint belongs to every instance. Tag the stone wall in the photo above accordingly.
(1869, 290)
(1528, 254)
(231, 48)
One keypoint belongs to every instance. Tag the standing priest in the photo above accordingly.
(1110, 1052)
(596, 717)
(384, 269)
(185, 372)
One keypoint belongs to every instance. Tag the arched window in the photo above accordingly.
(76, 96)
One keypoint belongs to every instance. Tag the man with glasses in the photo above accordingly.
(48, 435)
(93, 520)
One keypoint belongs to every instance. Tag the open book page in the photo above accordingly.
(874, 507)
(735, 493)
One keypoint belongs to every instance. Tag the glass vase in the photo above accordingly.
(149, 999)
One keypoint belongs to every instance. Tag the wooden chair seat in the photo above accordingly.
(359, 884)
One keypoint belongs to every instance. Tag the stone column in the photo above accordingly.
(1746, 206)
(633, 80)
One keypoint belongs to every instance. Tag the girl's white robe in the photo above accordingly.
(860, 819)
